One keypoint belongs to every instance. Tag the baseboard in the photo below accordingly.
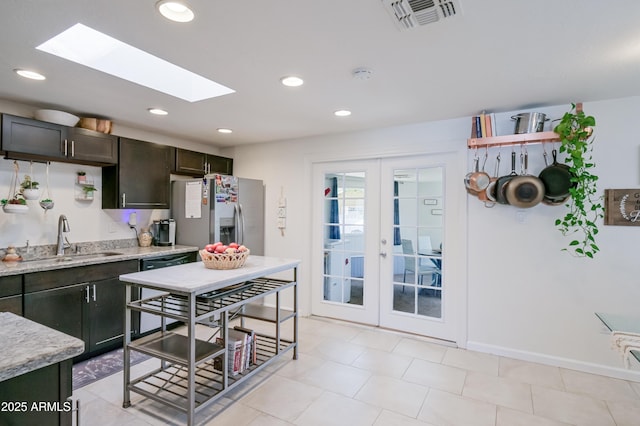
(568, 363)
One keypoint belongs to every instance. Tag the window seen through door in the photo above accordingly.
(344, 236)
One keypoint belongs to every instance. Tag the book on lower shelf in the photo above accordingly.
(240, 350)
(252, 357)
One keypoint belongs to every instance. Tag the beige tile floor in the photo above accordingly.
(352, 375)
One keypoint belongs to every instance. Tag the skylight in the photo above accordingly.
(101, 52)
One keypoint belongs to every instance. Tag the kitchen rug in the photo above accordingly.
(91, 370)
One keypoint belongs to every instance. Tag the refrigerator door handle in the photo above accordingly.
(240, 224)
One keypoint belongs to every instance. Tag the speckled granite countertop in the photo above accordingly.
(27, 346)
(90, 257)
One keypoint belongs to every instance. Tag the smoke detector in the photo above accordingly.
(412, 14)
(361, 73)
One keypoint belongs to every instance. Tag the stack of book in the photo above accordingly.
(241, 350)
(483, 125)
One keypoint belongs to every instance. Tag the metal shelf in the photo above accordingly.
(172, 347)
(170, 384)
(509, 140)
(212, 303)
(265, 313)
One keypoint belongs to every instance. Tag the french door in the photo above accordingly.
(381, 239)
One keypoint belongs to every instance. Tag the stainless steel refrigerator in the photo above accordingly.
(219, 208)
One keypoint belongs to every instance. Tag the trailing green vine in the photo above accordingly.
(585, 206)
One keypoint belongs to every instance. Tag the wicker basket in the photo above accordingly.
(223, 260)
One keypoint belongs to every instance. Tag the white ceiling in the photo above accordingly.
(498, 55)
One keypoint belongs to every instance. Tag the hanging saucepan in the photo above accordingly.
(525, 190)
(557, 181)
(477, 180)
(490, 192)
(501, 183)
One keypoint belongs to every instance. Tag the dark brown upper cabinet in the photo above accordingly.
(141, 179)
(34, 140)
(194, 163)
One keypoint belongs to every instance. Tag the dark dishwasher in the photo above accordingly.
(149, 322)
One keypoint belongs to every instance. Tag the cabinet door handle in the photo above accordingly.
(73, 148)
(65, 147)
(94, 293)
(87, 295)
(124, 200)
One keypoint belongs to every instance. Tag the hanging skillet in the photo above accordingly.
(526, 190)
(557, 181)
(491, 189)
(502, 181)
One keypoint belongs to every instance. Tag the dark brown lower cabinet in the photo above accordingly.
(40, 397)
(91, 310)
(11, 294)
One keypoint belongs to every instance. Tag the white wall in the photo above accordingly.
(87, 220)
(526, 298)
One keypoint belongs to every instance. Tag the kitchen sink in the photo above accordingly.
(71, 258)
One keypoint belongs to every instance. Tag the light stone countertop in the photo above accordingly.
(195, 278)
(71, 261)
(26, 346)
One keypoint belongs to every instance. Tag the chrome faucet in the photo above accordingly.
(63, 243)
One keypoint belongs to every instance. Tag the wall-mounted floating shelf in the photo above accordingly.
(508, 140)
(80, 193)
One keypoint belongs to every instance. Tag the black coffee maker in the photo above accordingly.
(164, 232)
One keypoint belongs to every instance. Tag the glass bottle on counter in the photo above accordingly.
(145, 238)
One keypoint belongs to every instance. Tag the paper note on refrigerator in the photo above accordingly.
(192, 200)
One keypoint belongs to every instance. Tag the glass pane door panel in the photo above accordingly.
(418, 225)
(344, 232)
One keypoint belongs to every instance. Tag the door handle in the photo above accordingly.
(87, 295)
(383, 254)
(94, 293)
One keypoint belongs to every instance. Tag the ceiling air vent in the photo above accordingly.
(411, 14)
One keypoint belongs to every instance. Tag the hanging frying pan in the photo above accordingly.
(557, 181)
(525, 190)
(502, 181)
(490, 192)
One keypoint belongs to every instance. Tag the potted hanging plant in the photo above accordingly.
(584, 206)
(29, 188)
(15, 202)
(88, 191)
(46, 203)
(82, 176)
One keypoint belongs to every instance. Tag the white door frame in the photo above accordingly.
(456, 231)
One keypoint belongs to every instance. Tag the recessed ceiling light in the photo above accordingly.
(175, 11)
(223, 130)
(101, 52)
(292, 81)
(157, 111)
(30, 74)
(342, 113)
